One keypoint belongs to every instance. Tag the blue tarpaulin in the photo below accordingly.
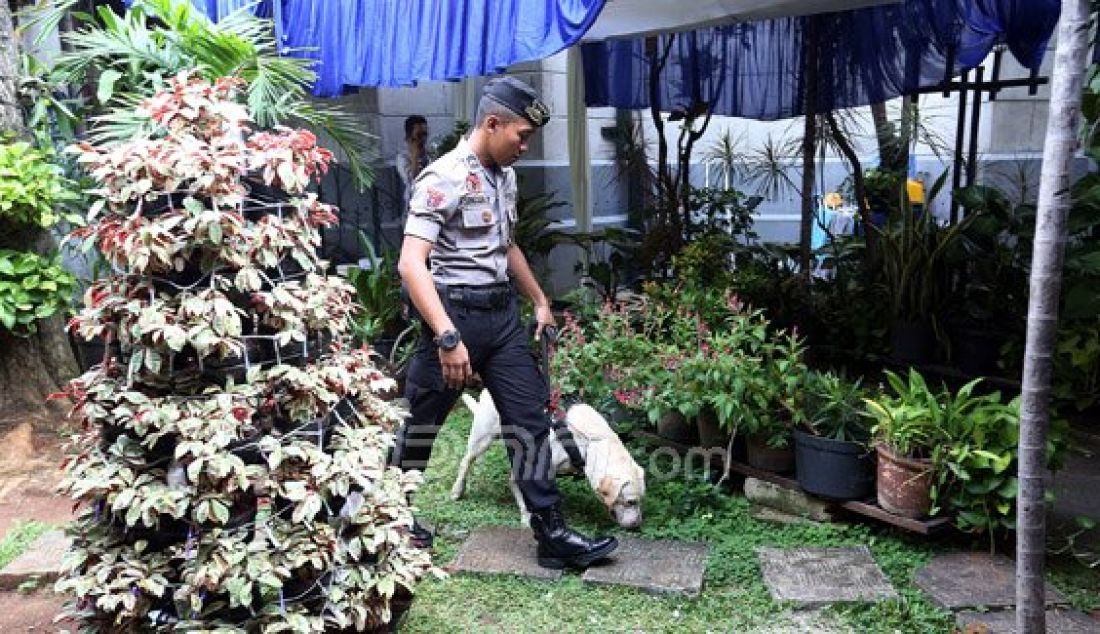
(401, 42)
(755, 69)
(750, 69)
(397, 42)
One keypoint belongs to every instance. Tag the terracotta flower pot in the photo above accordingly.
(758, 454)
(904, 484)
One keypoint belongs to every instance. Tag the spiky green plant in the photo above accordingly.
(131, 56)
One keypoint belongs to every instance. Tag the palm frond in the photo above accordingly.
(122, 42)
(142, 53)
(121, 122)
(768, 168)
(344, 129)
(726, 153)
(43, 18)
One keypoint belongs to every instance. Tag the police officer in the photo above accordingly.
(462, 268)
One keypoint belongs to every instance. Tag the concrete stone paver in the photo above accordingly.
(790, 501)
(41, 561)
(502, 550)
(815, 620)
(973, 580)
(655, 566)
(812, 577)
(768, 514)
(1062, 621)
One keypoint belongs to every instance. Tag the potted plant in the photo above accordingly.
(913, 249)
(992, 284)
(906, 432)
(832, 454)
(378, 294)
(977, 463)
(773, 394)
(208, 500)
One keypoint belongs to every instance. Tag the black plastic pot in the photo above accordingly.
(91, 352)
(673, 426)
(975, 351)
(912, 341)
(834, 469)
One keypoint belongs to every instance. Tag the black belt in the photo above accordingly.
(485, 297)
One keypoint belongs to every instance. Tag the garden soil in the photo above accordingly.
(29, 472)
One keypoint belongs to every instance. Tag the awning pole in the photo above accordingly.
(580, 166)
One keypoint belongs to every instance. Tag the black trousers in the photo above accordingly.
(500, 352)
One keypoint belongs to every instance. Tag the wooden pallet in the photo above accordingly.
(868, 508)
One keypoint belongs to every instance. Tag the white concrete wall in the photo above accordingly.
(1010, 139)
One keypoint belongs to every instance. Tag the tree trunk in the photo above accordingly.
(1070, 64)
(809, 134)
(884, 134)
(10, 117)
(34, 366)
(849, 152)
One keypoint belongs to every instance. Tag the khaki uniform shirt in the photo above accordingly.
(468, 213)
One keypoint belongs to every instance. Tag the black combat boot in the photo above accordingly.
(420, 537)
(559, 546)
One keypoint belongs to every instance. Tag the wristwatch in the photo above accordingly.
(448, 340)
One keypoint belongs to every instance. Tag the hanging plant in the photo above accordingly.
(232, 465)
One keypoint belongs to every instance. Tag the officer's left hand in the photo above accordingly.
(544, 317)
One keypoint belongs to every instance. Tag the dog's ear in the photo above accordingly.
(577, 431)
(607, 491)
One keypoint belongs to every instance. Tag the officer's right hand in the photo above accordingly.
(456, 366)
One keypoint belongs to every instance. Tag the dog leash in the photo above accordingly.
(555, 414)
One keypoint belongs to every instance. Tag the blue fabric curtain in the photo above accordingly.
(754, 70)
(399, 42)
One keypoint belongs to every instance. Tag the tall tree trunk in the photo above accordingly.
(1070, 63)
(667, 220)
(849, 152)
(30, 367)
(809, 135)
(884, 134)
(10, 117)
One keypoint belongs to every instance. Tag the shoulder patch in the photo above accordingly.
(473, 184)
(435, 197)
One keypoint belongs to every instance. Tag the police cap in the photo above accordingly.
(518, 97)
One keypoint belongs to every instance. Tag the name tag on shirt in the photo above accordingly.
(476, 199)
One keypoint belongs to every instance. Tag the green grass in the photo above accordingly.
(734, 596)
(18, 538)
(1078, 582)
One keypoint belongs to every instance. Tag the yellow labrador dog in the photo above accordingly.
(608, 466)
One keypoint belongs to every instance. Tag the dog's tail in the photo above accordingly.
(471, 404)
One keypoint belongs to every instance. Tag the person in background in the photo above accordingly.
(414, 158)
(461, 224)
